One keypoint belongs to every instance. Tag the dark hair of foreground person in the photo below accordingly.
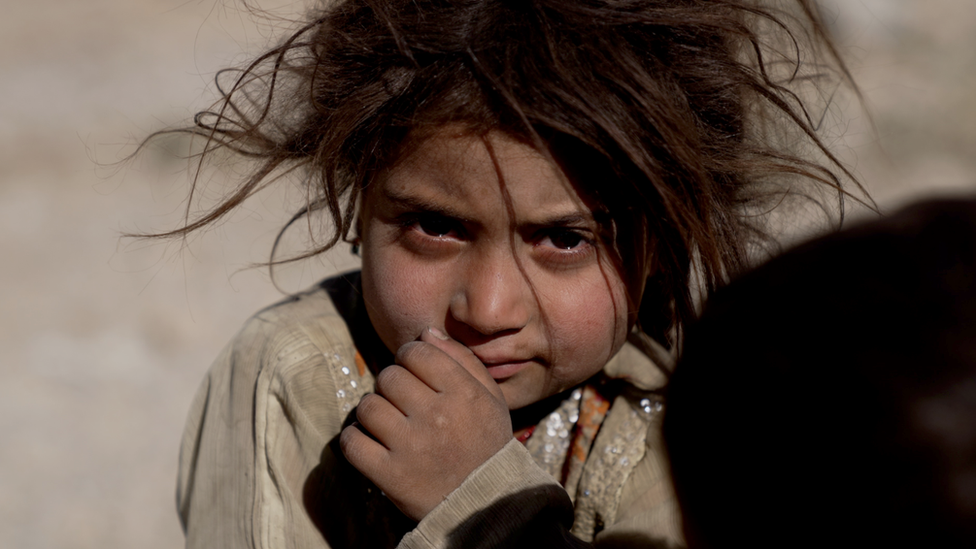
(828, 398)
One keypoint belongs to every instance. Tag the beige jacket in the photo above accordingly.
(260, 465)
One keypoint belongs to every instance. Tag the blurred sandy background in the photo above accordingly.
(103, 342)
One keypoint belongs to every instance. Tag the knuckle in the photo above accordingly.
(367, 406)
(413, 351)
(349, 444)
(388, 377)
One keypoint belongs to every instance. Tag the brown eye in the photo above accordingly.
(565, 239)
(436, 226)
(561, 248)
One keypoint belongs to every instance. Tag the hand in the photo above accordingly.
(436, 416)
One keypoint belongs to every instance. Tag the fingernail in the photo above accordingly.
(437, 333)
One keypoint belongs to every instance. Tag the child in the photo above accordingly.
(533, 186)
(853, 422)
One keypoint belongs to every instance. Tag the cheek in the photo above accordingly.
(401, 295)
(588, 325)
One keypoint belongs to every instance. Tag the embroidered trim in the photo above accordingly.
(593, 410)
(550, 441)
(619, 446)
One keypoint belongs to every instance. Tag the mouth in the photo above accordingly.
(505, 369)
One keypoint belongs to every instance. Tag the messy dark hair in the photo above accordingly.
(681, 119)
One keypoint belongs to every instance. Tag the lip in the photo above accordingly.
(503, 370)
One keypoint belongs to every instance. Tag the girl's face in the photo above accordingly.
(501, 254)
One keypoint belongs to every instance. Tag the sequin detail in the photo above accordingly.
(562, 440)
(550, 441)
(351, 384)
(651, 406)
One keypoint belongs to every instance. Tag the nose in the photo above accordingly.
(493, 296)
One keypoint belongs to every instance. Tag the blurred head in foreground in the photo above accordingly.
(828, 398)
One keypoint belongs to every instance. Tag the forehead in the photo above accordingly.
(478, 173)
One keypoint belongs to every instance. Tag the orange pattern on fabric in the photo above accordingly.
(360, 364)
(593, 410)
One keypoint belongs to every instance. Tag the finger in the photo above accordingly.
(381, 419)
(430, 365)
(365, 454)
(463, 356)
(439, 370)
(403, 389)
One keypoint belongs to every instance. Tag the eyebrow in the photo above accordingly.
(568, 220)
(417, 204)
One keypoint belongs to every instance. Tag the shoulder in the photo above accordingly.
(306, 317)
(298, 352)
(290, 331)
(271, 402)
